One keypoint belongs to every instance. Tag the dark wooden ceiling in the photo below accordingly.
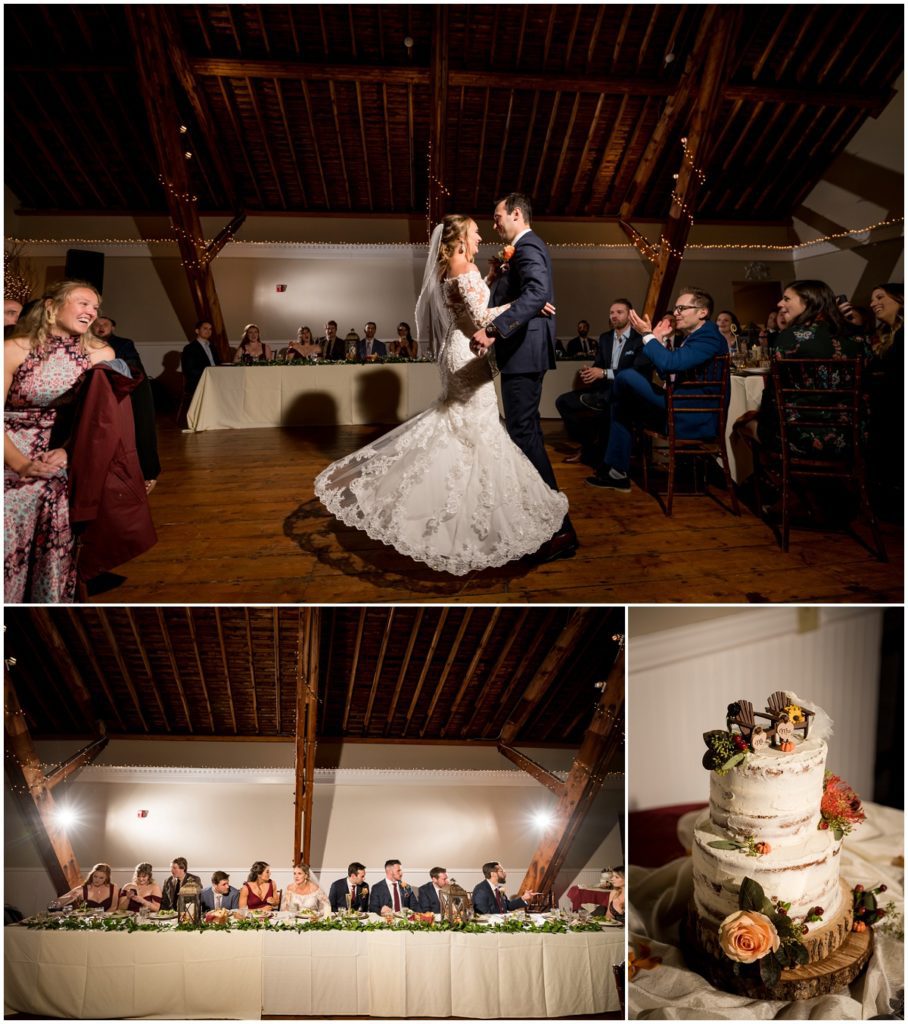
(321, 108)
(452, 674)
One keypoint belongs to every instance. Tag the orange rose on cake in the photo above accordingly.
(747, 935)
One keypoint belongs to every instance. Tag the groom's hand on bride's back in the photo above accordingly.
(480, 342)
(547, 310)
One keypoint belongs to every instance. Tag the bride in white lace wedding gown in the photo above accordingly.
(449, 487)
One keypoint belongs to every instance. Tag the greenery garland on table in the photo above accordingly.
(131, 924)
(277, 361)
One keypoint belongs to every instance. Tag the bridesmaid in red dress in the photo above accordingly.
(97, 891)
(258, 891)
(142, 893)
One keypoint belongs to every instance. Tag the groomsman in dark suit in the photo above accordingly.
(179, 875)
(197, 356)
(370, 345)
(428, 893)
(392, 891)
(581, 345)
(354, 886)
(489, 897)
(586, 413)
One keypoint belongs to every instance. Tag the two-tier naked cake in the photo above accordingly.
(767, 890)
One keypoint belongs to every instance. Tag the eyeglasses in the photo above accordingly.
(680, 309)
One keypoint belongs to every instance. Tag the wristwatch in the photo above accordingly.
(492, 331)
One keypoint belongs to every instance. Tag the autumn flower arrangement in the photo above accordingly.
(761, 936)
(840, 806)
(724, 750)
(864, 907)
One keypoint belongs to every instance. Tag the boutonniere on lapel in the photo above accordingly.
(403, 885)
(505, 255)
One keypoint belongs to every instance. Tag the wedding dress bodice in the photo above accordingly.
(316, 900)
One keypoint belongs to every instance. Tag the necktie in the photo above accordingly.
(498, 901)
(396, 897)
(352, 895)
(176, 891)
(217, 902)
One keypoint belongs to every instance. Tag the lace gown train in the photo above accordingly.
(449, 487)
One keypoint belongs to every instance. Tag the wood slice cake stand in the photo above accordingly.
(820, 977)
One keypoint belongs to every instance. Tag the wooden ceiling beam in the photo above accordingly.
(446, 670)
(146, 26)
(200, 668)
(87, 755)
(503, 655)
(174, 668)
(305, 727)
(198, 101)
(404, 667)
(340, 142)
(545, 676)
(437, 185)
(603, 737)
(220, 628)
(88, 649)
(276, 654)
(354, 666)
(227, 95)
(329, 667)
(52, 705)
(488, 632)
(477, 181)
(585, 164)
(533, 768)
(549, 132)
(266, 141)
(388, 159)
(518, 674)
(66, 669)
(315, 143)
(363, 145)
(700, 142)
(379, 669)
(430, 654)
(34, 796)
(251, 663)
(565, 149)
(279, 92)
(140, 647)
(114, 646)
(607, 169)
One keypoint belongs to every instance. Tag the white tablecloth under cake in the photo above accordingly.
(658, 897)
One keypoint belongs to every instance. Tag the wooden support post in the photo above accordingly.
(531, 767)
(601, 740)
(436, 183)
(34, 796)
(699, 139)
(148, 27)
(309, 632)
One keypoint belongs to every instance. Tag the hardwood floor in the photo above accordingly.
(237, 522)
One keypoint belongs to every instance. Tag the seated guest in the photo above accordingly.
(258, 891)
(179, 874)
(354, 886)
(635, 399)
(142, 893)
(370, 345)
(392, 893)
(581, 345)
(304, 346)
(305, 894)
(560, 350)
(405, 347)
(251, 345)
(815, 330)
(886, 386)
(428, 893)
(729, 328)
(489, 897)
(332, 347)
(97, 891)
(615, 910)
(586, 413)
(49, 351)
(220, 893)
(197, 356)
(12, 309)
(142, 399)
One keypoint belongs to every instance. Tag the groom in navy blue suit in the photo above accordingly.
(524, 341)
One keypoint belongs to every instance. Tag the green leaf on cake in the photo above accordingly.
(799, 952)
(725, 844)
(751, 896)
(730, 763)
(838, 833)
(770, 970)
(768, 908)
(869, 900)
(781, 954)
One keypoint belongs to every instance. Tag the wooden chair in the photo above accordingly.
(702, 392)
(745, 718)
(819, 398)
(775, 708)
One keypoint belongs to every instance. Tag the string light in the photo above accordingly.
(186, 197)
(690, 161)
(591, 247)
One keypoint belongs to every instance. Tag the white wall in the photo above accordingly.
(226, 818)
(681, 680)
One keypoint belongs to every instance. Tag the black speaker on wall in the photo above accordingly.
(84, 265)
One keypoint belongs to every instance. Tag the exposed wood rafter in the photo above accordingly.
(307, 668)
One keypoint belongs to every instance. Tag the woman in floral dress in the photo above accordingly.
(44, 359)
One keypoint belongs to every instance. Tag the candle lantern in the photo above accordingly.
(456, 903)
(189, 903)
